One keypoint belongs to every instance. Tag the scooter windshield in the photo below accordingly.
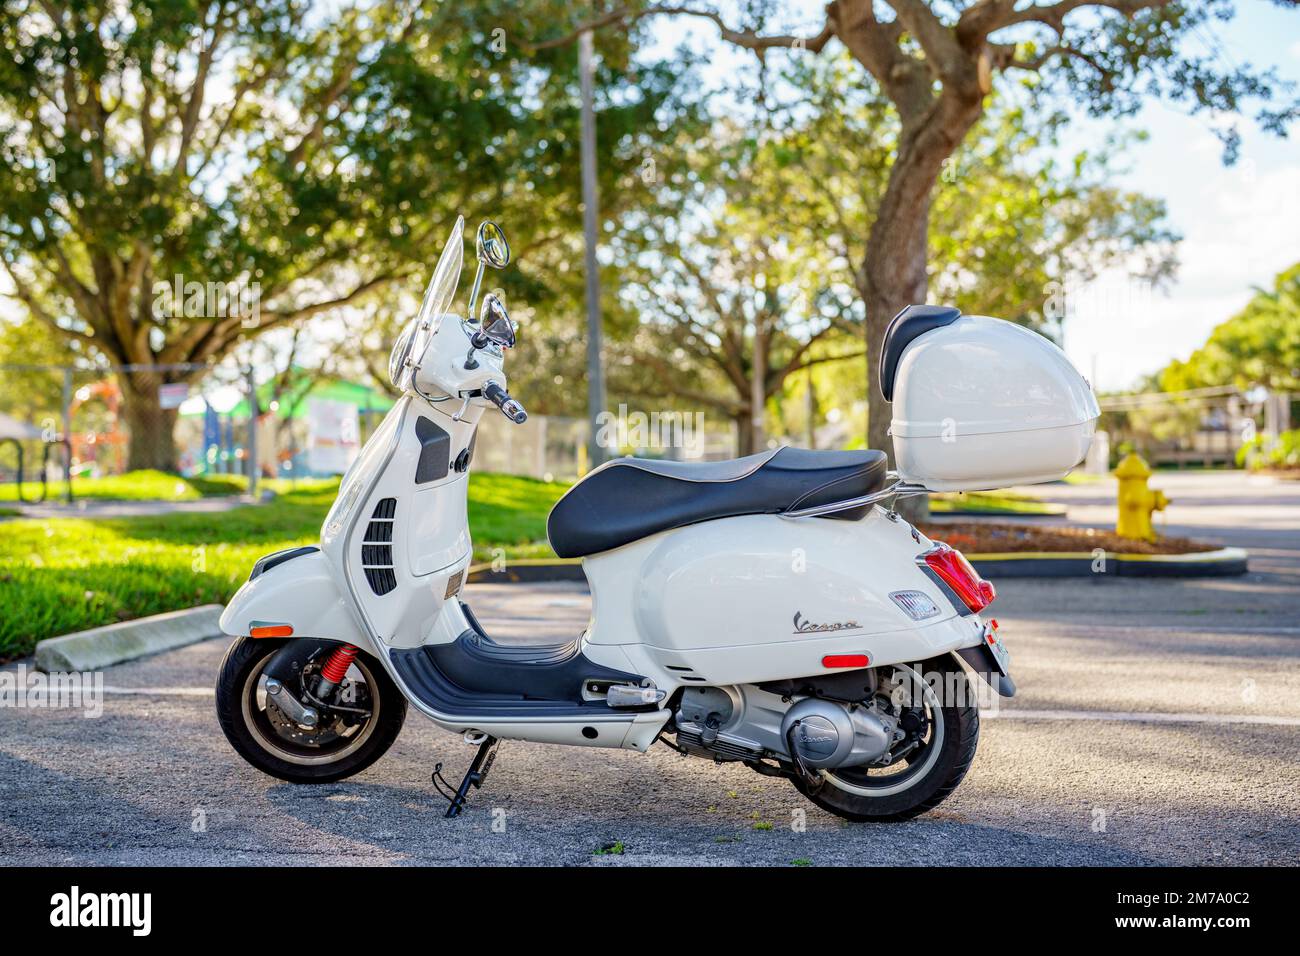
(441, 290)
(446, 276)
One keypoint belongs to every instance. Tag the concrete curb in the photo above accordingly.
(103, 646)
(1014, 564)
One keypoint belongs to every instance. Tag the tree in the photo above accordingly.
(728, 314)
(1260, 345)
(937, 61)
(741, 277)
(297, 155)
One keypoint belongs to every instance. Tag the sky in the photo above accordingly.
(1240, 224)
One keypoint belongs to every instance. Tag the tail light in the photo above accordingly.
(955, 571)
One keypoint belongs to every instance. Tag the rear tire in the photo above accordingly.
(244, 725)
(851, 799)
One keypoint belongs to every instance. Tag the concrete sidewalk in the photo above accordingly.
(103, 508)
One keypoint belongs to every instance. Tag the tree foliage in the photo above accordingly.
(1260, 345)
(314, 151)
(937, 61)
(750, 250)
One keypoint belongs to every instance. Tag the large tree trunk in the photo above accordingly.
(152, 439)
(893, 272)
(745, 444)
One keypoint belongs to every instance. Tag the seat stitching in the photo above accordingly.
(861, 472)
(636, 463)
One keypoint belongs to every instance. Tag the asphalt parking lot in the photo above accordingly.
(1158, 722)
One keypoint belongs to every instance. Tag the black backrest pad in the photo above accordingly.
(904, 328)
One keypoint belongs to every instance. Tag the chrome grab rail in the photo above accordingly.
(898, 489)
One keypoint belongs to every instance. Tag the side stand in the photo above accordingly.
(474, 776)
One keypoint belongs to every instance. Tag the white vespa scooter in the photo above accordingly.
(770, 610)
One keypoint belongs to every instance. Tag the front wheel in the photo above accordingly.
(344, 742)
(922, 770)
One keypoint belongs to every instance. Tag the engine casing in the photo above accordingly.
(829, 734)
(744, 722)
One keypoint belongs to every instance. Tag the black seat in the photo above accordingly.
(631, 498)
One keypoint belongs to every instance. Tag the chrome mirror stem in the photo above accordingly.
(474, 290)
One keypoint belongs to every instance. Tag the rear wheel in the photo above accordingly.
(344, 741)
(920, 771)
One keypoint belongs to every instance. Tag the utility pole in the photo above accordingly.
(67, 432)
(251, 457)
(758, 390)
(590, 221)
(810, 406)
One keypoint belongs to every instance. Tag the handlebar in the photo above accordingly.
(510, 408)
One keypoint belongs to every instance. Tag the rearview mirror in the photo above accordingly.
(491, 249)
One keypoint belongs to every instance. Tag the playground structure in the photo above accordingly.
(304, 425)
(101, 450)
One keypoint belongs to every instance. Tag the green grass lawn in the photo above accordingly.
(67, 574)
(1085, 478)
(992, 502)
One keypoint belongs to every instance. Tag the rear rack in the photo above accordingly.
(897, 489)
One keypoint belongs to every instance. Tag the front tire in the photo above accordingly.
(262, 735)
(927, 778)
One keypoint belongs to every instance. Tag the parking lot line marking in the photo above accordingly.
(1139, 717)
(1058, 627)
(162, 691)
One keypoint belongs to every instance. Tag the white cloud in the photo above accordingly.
(1241, 234)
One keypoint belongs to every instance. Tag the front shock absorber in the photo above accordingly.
(331, 675)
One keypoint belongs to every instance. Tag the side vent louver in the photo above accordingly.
(377, 549)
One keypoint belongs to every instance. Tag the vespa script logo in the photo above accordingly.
(804, 626)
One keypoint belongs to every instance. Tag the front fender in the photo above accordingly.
(301, 593)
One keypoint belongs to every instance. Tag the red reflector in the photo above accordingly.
(272, 630)
(957, 573)
(845, 660)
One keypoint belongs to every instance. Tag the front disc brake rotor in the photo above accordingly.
(338, 730)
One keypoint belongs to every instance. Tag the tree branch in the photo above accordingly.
(1011, 61)
(1053, 14)
(194, 103)
(943, 53)
(748, 39)
(25, 295)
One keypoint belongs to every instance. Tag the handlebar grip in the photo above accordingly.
(499, 397)
(514, 411)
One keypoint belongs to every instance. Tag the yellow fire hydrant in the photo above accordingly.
(1136, 500)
